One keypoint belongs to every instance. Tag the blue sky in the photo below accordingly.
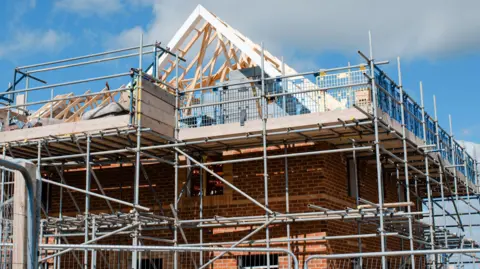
(438, 43)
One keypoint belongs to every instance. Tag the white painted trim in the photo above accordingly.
(245, 45)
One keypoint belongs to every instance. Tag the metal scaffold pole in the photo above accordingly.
(200, 210)
(377, 152)
(136, 191)
(441, 177)
(2, 214)
(475, 170)
(405, 163)
(87, 199)
(264, 144)
(27, 84)
(427, 177)
(94, 252)
(455, 175)
(454, 160)
(357, 201)
(467, 189)
(475, 178)
(287, 194)
(287, 202)
(58, 260)
(284, 90)
(176, 164)
(38, 202)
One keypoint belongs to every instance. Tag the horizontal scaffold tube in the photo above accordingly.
(283, 156)
(296, 75)
(306, 219)
(392, 253)
(170, 249)
(83, 57)
(282, 240)
(276, 95)
(68, 83)
(66, 98)
(89, 62)
(95, 194)
(68, 249)
(79, 155)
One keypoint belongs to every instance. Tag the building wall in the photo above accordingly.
(317, 179)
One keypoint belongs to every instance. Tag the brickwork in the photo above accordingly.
(318, 179)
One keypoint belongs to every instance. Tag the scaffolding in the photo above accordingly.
(371, 117)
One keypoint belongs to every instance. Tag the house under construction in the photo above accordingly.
(210, 152)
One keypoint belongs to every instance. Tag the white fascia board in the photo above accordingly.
(244, 44)
(181, 35)
(235, 40)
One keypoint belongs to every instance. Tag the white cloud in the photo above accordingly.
(472, 148)
(90, 7)
(127, 38)
(24, 43)
(430, 29)
(19, 9)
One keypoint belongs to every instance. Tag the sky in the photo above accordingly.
(437, 40)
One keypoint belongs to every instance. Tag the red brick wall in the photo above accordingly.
(317, 179)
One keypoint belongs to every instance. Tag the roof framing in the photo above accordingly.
(206, 68)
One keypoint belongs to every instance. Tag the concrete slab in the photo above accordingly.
(283, 123)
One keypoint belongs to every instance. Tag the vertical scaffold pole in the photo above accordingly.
(94, 252)
(405, 164)
(454, 161)
(284, 90)
(136, 191)
(40, 237)
(377, 152)
(12, 96)
(400, 196)
(200, 211)
(37, 201)
(287, 204)
(427, 177)
(6, 122)
(52, 96)
(27, 84)
(154, 65)
(265, 163)
(475, 177)
(2, 189)
(442, 191)
(177, 116)
(454, 165)
(357, 201)
(475, 169)
(87, 196)
(60, 216)
(470, 230)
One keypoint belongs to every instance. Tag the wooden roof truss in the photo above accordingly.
(213, 49)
